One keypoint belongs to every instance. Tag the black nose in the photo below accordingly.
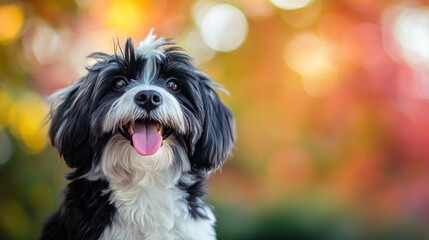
(148, 99)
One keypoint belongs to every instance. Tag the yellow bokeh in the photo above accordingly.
(11, 22)
(310, 56)
(126, 16)
(28, 122)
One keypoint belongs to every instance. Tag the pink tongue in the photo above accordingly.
(146, 139)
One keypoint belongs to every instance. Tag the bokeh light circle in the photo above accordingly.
(46, 44)
(11, 22)
(410, 31)
(310, 56)
(224, 27)
(291, 4)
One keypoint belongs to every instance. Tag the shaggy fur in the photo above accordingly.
(115, 191)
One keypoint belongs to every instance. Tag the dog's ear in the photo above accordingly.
(69, 124)
(218, 129)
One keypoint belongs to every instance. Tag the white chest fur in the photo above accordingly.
(149, 204)
(155, 212)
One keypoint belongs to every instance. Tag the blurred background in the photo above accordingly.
(331, 100)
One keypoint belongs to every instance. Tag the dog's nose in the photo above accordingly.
(148, 99)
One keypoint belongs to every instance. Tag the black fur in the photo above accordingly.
(217, 137)
(195, 192)
(84, 214)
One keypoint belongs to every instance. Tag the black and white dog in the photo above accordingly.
(142, 132)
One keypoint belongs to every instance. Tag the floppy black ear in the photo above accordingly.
(69, 125)
(217, 137)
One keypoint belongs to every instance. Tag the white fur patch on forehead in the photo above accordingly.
(151, 49)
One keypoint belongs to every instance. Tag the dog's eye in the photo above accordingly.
(119, 83)
(172, 85)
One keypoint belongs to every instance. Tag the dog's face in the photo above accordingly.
(151, 98)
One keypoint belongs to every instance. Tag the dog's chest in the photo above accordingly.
(155, 211)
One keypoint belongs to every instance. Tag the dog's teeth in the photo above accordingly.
(159, 127)
(131, 130)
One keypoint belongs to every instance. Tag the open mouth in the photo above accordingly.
(145, 136)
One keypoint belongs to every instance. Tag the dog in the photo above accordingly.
(142, 131)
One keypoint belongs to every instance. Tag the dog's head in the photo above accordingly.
(151, 98)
